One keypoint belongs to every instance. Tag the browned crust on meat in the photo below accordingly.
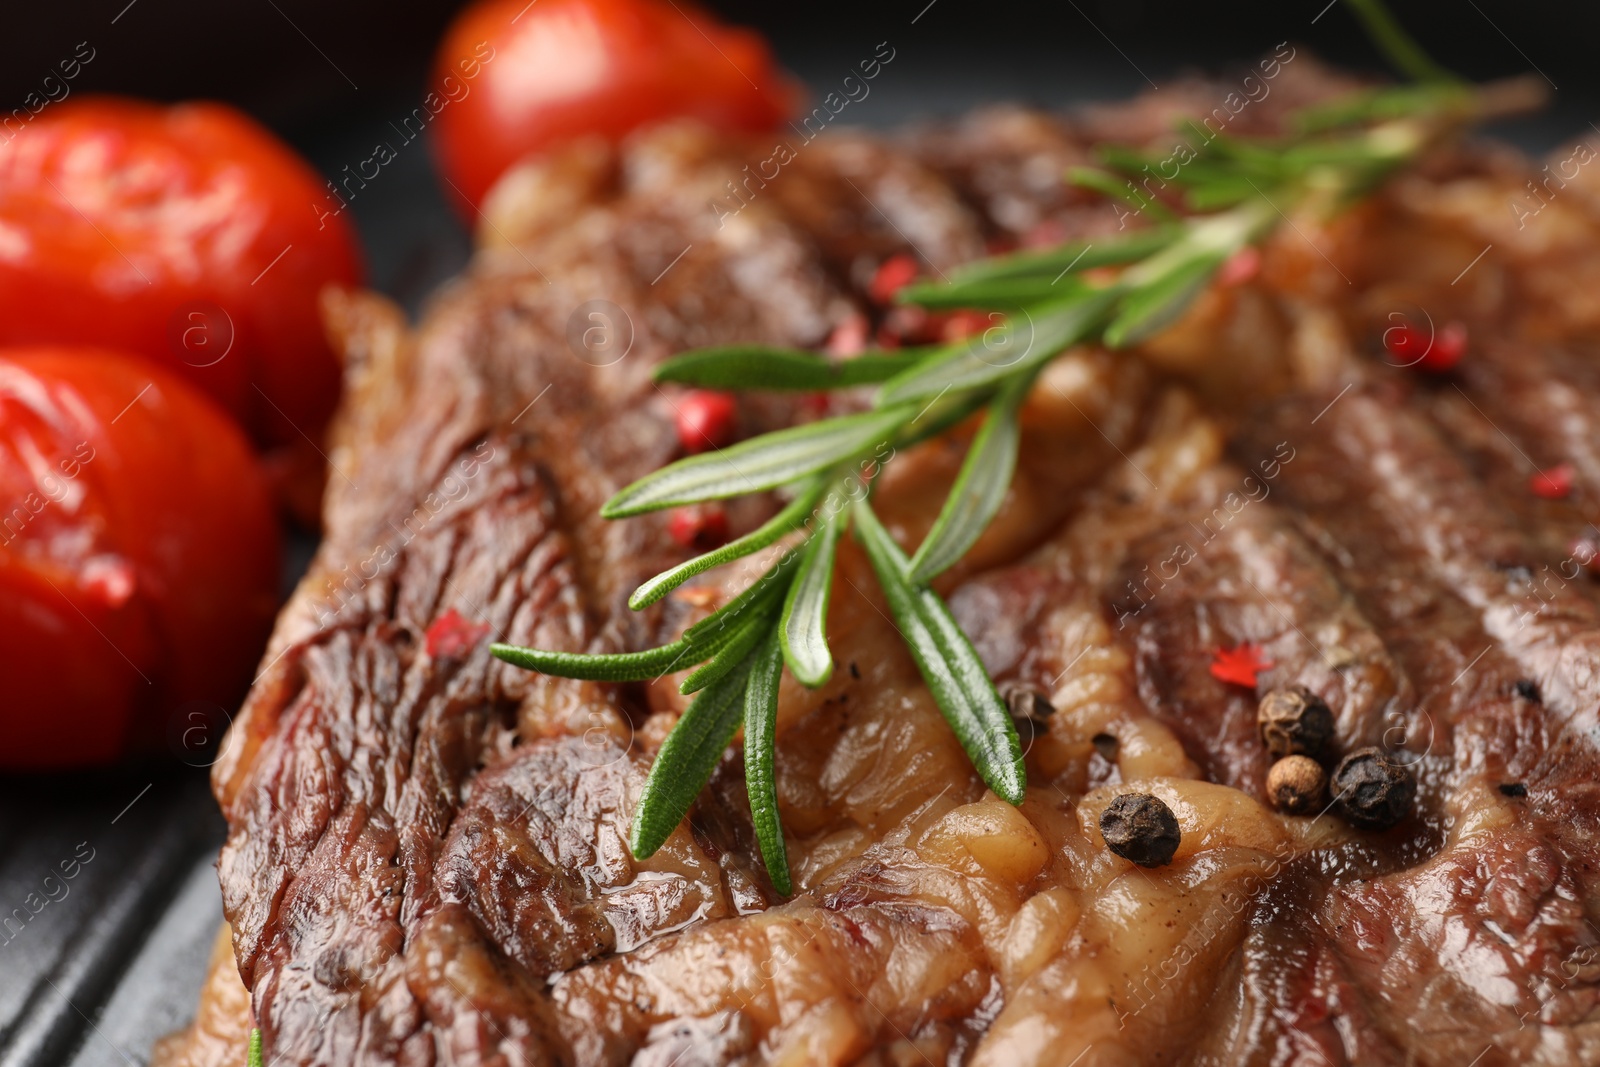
(427, 860)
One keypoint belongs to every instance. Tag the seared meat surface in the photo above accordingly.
(427, 860)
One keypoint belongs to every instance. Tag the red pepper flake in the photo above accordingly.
(907, 324)
(453, 637)
(1406, 343)
(1240, 267)
(1553, 484)
(849, 338)
(701, 527)
(1239, 665)
(1447, 350)
(1045, 234)
(893, 275)
(1432, 354)
(959, 325)
(705, 420)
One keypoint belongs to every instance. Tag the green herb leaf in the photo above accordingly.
(687, 758)
(756, 367)
(733, 645)
(998, 294)
(785, 521)
(1076, 256)
(253, 1057)
(1382, 104)
(772, 585)
(979, 489)
(942, 413)
(949, 665)
(1149, 310)
(614, 667)
(1263, 161)
(1397, 45)
(982, 361)
(1108, 184)
(760, 730)
(803, 627)
(1214, 195)
(700, 642)
(1157, 291)
(761, 463)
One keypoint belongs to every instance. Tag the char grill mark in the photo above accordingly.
(1543, 397)
(1522, 406)
(330, 866)
(403, 876)
(1425, 549)
(1177, 572)
(1055, 603)
(1235, 571)
(1505, 469)
(351, 871)
(1007, 162)
(539, 856)
(841, 204)
(860, 201)
(1296, 593)
(1390, 491)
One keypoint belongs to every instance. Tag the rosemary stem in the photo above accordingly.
(1398, 46)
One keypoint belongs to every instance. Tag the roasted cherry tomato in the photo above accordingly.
(188, 234)
(138, 560)
(513, 78)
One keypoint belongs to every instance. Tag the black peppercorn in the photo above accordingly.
(1372, 791)
(1106, 745)
(1140, 828)
(1296, 722)
(1294, 785)
(1025, 703)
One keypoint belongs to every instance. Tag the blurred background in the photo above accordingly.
(289, 60)
(325, 74)
(96, 974)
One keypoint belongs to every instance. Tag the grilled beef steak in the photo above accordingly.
(427, 861)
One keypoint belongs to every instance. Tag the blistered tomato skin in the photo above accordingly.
(188, 234)
(514, 78)
(138, 559)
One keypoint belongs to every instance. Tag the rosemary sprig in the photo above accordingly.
(1397, 46)
(1235, 192)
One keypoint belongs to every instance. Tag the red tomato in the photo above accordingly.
(138, 558)
(515, 78)
(188, 234)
